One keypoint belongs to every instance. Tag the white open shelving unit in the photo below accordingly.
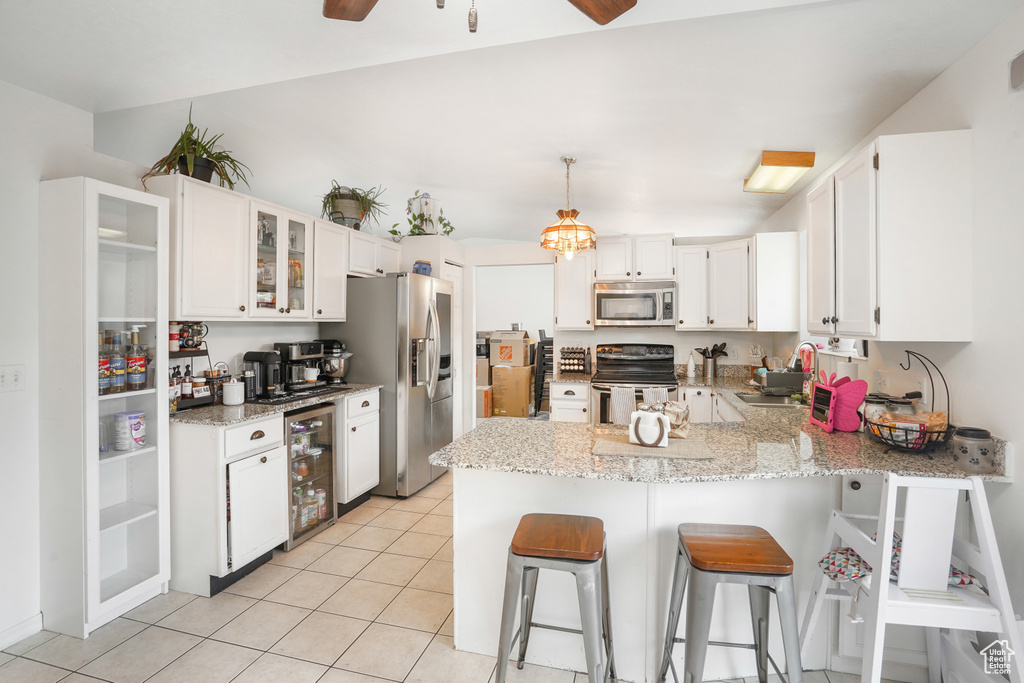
(104, 515)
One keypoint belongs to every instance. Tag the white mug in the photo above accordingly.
(310, 374)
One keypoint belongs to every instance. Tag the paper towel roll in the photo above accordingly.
(846, 369)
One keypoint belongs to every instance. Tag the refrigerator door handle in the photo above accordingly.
(435, 342)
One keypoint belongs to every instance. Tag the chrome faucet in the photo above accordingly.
(796, 355)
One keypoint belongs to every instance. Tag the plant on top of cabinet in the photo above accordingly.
(423, 221)
(351, 206)
(193, 154)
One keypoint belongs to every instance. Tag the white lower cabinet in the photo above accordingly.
(570, 402)
(701, 403)
(229, 498)
(257, 504)
(725, 411)
(359, 432)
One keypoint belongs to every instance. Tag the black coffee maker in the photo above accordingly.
(267, 366)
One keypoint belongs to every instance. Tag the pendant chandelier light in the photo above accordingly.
(568, 235)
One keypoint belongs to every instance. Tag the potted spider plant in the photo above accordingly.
(352, 206)
(193, 154)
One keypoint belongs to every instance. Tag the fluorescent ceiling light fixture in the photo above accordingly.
(778, 171)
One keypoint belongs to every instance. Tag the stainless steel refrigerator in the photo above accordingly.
(399, 330)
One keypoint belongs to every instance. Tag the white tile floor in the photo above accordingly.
(369, 600)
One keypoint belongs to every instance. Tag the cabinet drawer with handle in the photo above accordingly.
(252, 437)
(363, 404)
(569, 391)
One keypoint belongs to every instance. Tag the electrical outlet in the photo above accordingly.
(17, 377)
(12, 377)
(881, 381)
(922, 386)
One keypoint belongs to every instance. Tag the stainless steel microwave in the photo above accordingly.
(634, 304)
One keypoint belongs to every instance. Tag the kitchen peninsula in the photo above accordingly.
(774, 469)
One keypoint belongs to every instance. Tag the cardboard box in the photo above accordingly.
(510, 347)
(513, 390)
(483, 372)
(484, 405)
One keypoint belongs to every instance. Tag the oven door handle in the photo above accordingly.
(638, 387)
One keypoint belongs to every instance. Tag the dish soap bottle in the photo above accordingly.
(691, 367)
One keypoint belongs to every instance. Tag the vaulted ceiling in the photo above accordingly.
(667, 108)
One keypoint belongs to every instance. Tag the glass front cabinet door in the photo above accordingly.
(282, 249)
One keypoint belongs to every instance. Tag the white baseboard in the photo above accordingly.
(19, 632)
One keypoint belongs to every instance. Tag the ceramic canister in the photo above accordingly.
(234, 393)
(973, 449)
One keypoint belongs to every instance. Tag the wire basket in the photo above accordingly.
(909, 438)
(917, 439)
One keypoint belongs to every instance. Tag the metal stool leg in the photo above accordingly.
(674, 608)
(607, 617)
(701, 587)
(528, 599)
(590, 612)
(786, 596)
(759, 615)
(513, 577)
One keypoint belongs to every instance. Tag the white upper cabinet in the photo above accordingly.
(652, 256)
(648, 257)
(775, 281)
(614, 258)
(821, 259)
(574, 292)
(901, 224)
(389, 257)
(281, 249)
(691, 288)
(209, 254)
(372, 256)
(729, 286)
(856, 249)
(330, 271)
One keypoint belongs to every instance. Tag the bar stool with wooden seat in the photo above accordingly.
(709, 554)
(566, 543)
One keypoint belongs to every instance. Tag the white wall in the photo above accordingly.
(227, 341)
(516, 294)
(973, 93)
(42, 139)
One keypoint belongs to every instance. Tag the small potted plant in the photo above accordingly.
(421, 221)
(193, 154)
(352, 206)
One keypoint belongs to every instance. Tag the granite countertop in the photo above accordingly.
(225, 416)
(771, 443)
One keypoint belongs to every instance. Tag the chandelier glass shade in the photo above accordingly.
(568, 235)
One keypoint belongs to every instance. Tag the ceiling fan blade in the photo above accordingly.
(603, 11)
(348, 10)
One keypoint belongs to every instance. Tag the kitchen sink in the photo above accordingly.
(761, 401)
